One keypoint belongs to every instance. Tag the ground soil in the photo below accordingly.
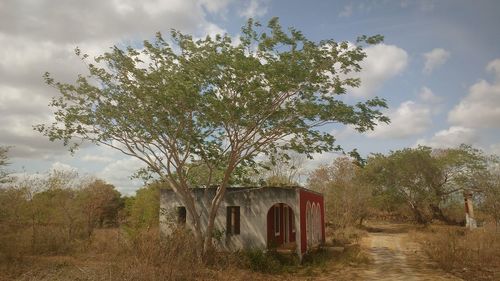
(392, 255)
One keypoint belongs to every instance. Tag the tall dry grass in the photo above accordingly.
(113, 254)
(471, 254)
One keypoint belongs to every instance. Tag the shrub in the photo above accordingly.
(269, 261)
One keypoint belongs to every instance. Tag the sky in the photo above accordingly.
(438, 68)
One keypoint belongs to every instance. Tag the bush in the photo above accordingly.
(270, 261)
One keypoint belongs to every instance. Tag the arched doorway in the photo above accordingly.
(280, 226)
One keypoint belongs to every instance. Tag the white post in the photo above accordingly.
(470, 221)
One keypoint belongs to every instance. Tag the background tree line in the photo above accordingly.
(412, 184)
(58, 212)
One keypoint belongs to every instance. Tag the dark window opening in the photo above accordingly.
(181, 215)
(233, 220)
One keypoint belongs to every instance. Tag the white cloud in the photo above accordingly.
(319, 159)
(494, 67)
(409, 119)
(346, 11)
(119, 172)
(495, 149)
(254, 8)
(36, 37)
(58, 166)
(213, 29)
(481, 107)
(451, 137)
(344, 133)
(382, 63)
(426, 5)
(434, 59)
(426, 95)
(96, 158)
(215, 6)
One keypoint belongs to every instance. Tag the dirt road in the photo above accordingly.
(393, 257)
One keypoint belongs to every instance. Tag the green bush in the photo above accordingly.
(270, 261)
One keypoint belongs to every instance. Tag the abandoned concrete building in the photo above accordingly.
(285, 218)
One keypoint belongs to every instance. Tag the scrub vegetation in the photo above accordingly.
(65, 226)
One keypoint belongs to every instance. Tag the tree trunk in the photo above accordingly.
(437, 213)
(418, 215)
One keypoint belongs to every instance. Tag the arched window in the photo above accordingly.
(318, 223)
(308, 223)
(313, 223)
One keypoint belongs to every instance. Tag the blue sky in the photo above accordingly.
(439, 67)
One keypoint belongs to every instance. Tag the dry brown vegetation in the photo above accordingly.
(470, 254)
(112, 254)
(65, 227)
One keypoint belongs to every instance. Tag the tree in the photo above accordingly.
(347, 197)
(410, 175)
(100, 203)
(463, 168)
(144, 209)
(4, 161)
(491, 194)
(215, 102)
(425, 179)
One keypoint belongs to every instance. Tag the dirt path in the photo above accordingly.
(393, 257)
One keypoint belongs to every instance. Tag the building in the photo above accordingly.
(286, 218)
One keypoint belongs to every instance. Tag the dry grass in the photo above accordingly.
(113, 254)
(344, 236)
(472, 255)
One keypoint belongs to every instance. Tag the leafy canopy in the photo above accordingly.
(214, 101)
(427, 179)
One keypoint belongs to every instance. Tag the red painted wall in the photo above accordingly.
(312, 197)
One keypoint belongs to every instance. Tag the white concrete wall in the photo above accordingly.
(254, 205)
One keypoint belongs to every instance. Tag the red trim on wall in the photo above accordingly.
(312, 197)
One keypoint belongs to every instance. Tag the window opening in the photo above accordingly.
(233, 220)
(181, 215)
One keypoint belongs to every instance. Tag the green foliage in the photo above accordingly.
(214, 102)
(490, 203)
(4, 161)
(270, 261)
(464, 167)
(199, 94)
(426, 181)
(407, 175)
(144, 209)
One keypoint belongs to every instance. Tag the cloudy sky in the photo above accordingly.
(439, 67)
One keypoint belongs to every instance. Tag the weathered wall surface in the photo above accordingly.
(254, 205)
(307, 196)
